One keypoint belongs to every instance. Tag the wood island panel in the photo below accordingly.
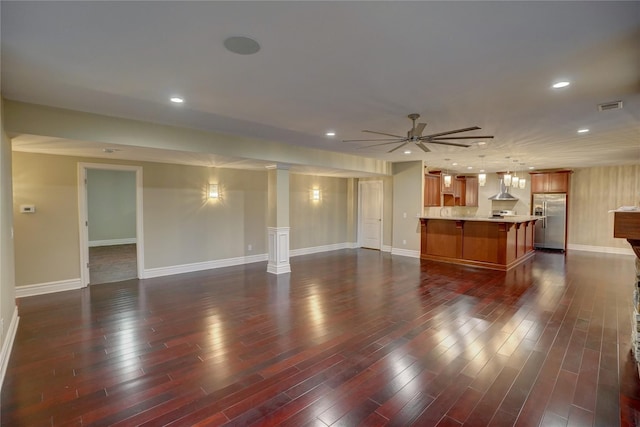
(481, 243)
(495, 244)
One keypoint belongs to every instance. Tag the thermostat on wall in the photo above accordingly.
(27, 208)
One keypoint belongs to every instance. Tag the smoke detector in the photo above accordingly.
(615, 105)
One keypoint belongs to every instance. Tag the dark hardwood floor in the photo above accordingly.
(351, 337)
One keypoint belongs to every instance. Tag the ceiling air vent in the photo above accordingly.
(615, 105)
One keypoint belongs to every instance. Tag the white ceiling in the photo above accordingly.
(342, 66)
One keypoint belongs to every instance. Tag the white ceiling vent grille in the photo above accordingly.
(615, 105)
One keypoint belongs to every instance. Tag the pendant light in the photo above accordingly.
(522, 183)
(506, 178)
(482, 176)
(446, 178)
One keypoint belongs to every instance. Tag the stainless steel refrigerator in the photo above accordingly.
(551, 229)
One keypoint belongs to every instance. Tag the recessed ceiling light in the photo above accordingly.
(241, 45)
(454, 164)
(469, 167)
(532, 167)
(330, 133)
(561, 84)
(482, 143)
(583, 130)
(407, 151)
(176, 99)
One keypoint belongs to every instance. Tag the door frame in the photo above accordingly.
(380, 186)
(83, 216)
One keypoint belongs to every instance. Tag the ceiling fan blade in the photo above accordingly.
(451, 131)
(373, 140)
(422, 146)
(461, 137)
(398, 147)
(382, 133)
(419, 129)
(386, 143)
(448, 143)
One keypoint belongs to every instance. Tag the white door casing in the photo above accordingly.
(370, 214)
(83, 216)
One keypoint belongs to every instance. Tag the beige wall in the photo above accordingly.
(595, 191)
(47, 241)
(180, 225)
(320, 223)
(408, 180)
(7, 279)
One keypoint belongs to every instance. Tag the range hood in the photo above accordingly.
(503, 194)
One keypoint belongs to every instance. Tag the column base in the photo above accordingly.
(278, 250)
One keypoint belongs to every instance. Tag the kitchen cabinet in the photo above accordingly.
(464, 192)
(471, 191)
(550, 182)
(431, 190)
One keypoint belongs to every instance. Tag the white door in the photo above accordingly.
(370, 218)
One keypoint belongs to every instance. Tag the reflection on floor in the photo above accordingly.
(348, 338)
(112, 263)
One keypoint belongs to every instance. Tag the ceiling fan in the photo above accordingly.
(415, 135)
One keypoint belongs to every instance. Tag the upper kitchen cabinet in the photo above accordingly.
(431, 190)
(471, 193)
(461, 191)
(550, 182)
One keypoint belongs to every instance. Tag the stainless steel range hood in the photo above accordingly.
(503, 194)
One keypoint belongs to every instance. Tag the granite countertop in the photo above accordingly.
(510, 219)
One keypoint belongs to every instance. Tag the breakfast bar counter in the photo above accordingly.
(495, 243)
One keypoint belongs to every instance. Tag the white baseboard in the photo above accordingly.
(386, 248)
(200, 266)
(318, 249)
(7, 344)
(112, 242)
(48, 288)
(600, 249)
(405, 252)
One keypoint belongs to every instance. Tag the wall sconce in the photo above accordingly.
(315, 195)
(506, 178)
(447, 180)
(214, 191)
(522, 183)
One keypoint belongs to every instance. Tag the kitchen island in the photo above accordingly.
(495, 243)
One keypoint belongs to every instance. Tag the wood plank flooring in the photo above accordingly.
(350, 337)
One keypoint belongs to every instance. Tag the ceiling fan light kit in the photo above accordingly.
(415, 135)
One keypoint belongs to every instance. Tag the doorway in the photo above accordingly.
(370, 214)
(110, 203)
